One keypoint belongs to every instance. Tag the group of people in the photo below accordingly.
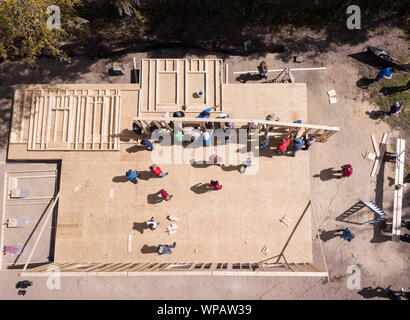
(387, 73)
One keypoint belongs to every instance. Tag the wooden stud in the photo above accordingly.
(31, 123)
(35, 124)
(206, 84)
(156, 83)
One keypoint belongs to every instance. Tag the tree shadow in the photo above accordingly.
(328, 174)
(328, 235)
(146, 249)
(140, 226)
(120, 179)
(248, 77)
(201, 188)
(154, 198)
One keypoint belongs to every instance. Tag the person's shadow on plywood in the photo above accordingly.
(140, 226)
(328, 235)
(231, 167)
(201, 188)
(328, 174)
(120, 179)
(146, 249)
(146, 175)
(155, 198)
(248, 77)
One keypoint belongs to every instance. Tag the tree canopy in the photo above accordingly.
(24, 31)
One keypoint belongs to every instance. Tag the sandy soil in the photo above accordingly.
(382, 263)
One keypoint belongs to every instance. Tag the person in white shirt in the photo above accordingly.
(152, 224)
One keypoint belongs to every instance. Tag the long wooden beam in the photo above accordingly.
(242, 121)
(278, 70)
(398, 190)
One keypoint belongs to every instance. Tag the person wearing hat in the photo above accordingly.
(206, 137)
(215, 185)
(309, 142)
(347, 170)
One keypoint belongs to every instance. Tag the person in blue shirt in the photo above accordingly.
(148, 144)
(347, 235)
(165, 248)
(384, 73)
(206, 137)
(132, 175)
(297, 145)
(206, 113)
(396, 108)
(265, 142)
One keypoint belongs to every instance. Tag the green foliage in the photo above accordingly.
(23, 28)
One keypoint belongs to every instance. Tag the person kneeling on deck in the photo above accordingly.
(309, 142)
(263, 70)
(297, 145)
(165, 248)
(132, 175)
(152, 224)
(147, 143)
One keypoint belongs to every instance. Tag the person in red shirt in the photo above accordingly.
(165, 195)
(157, 171)
(347, 170)
(215, 185)
(283, 145)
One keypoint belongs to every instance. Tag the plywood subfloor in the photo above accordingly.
(231, 225)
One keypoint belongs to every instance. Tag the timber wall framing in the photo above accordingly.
(74, 120)
(167, 269)
(323, 133)
(171, 84)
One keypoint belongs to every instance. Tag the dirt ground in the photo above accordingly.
(382, 263)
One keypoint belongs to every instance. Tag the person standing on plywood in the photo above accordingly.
(132, 175)
(347, 171)
(165, 248)
(152, 224)
(157, 171)
(165, 195)
(215, 185)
